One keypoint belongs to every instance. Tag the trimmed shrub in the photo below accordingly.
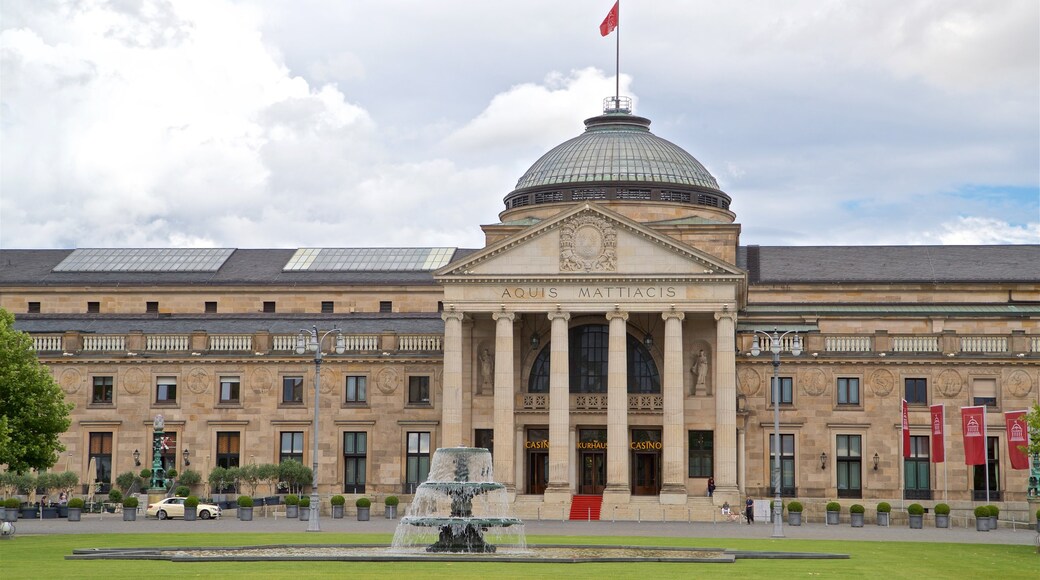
(833, 506)
(245, 501)
(942, 509)
(337, 500)
(146, 474)
(182, 491)
(391, 500)
(915, 509)
(994, 511)
(12, 503)
(171, 474)
(884, 507)
(856, 509)
(795, 507)
(305, 501)
(981, 511)
(363, 502)
(76, 503)
(130, 502)
(292, 499)
(190, 477)
(115, 496)
(191, 501)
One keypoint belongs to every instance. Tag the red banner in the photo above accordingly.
(611, 21)
(938, 433)
(906, 431)
(973, 428)
(1017, 438)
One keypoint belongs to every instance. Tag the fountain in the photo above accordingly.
(444, 504)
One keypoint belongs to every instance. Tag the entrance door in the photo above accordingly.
(537, 472)
(593, 472)
(646, 476)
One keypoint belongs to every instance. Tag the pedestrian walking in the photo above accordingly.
(749, 510)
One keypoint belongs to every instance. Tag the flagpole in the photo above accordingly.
(946, 480)
(617, 62)
(985, 449)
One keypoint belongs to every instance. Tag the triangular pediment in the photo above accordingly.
(589, 241)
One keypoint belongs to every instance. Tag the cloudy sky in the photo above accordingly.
(149, 123)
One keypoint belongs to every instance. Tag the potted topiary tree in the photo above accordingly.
(292, 505)
(364, 505)
(833, 513)
(13, 506)
(994, 513)
(884, 509)
(114, 497)
(190, 478)
(337, 502)
(75, 509)
(182, 491)
(942, 515)
(794, 513)
(856, 515)
(391, 502)
(915, 511)
(305, 508)
(245, 508)
(981, 518)
(130, 508)
(191, 508)
(67, 481)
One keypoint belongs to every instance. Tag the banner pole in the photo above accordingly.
(985, 449)
(617, 61)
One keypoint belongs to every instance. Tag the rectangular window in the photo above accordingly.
(229, 389)
(151, 307)
(269, 307)
(166, 448)
(102, 392)
(484, 438)
(166, 390)
(916, 391)
(979, 491)
(355, 450)
(848, 391)
(702, 453)
(229, 449)
(101, 455)
(787, 480)
(34, 308)
(292, 390)
(418, 460)
(786, 390)
(292, 446)
(849, 464)
(917, 469)
(984, 392)
(386, 306)
(211, 308)
(419, 390)
(93, 307)
(328, 307)
(357, 389)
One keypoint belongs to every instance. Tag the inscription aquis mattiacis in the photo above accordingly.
(588, 292)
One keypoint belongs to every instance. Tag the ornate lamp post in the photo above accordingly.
(309, 341)
(775, 341)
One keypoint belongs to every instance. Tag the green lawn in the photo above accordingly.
(43, 557)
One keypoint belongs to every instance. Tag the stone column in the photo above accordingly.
(558, 488)
(451, 403)
(725, 406)
(617, 489)
(673, 488)
(504, 400)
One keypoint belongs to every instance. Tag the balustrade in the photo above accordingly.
(230, 342)
(984, 344)
(847, 344)
(419, 342)
(47, 343)
(166, 342)
(104, 342)
(915, 344)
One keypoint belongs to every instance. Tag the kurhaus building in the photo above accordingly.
(599, 344)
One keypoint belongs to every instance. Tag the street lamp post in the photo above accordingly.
(309, 341)
(775, 340)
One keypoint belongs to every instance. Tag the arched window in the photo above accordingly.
(588, 349)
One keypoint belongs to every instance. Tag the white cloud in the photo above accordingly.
(977, 230)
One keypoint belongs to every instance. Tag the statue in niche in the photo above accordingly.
(700, 374)
(487, 371)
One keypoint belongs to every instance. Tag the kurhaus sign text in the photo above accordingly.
(587, 292)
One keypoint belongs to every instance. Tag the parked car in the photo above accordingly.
(173, 507)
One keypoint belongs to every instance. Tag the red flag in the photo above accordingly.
(973, 428)
(906, 431)
(610, 22)
(1017, 438)
(938, 433)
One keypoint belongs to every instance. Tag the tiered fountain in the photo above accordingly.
(461, 502)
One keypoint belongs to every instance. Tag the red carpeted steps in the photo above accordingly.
(586, 507)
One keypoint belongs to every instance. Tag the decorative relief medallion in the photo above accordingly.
(588, 243)
(386, 380)
(262, 381)
(198, 381)
(949, 383)
(1019, 384)
(70, 381)
(750, 382)
(815, 384)
(882, 382)
(328, 380)
(134, 381)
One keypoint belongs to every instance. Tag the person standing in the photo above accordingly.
(749, 510)
(711, 486)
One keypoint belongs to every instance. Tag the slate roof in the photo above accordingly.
(900, 264)
(355, 323)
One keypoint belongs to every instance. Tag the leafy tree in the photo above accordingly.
(1033, 421)
(33, 411)
(294, 475)
(127, 482)
(250, 475)
(268, 473)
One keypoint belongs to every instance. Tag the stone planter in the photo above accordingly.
(63, 511)
(129, 514)
(363, 514)
(191, 513)
(30, 513)
(74, 514)
(883, 519)
(981, 524)
(49, 513)
(942, 521)
(833, 518)
(245, 514)
(337, 512)
(916, 522)
(391, 512)
(794, 518)
(3, 512)
(11, 515)
(993, 525)
(856, 520)
(292, 511)
(305, 513)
